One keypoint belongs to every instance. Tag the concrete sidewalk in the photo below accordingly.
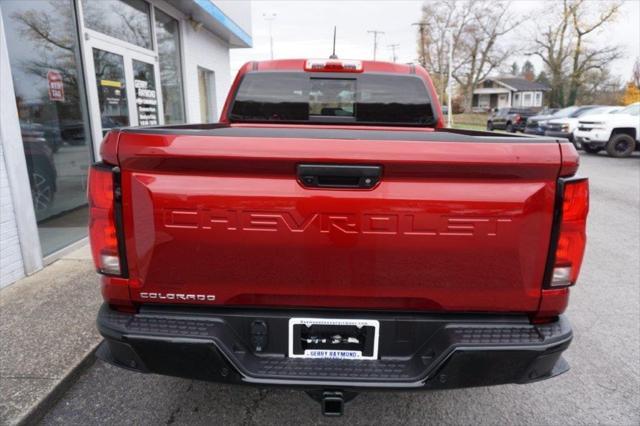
(47, 333)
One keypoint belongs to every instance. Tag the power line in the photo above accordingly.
(375, 41)
(393, 51)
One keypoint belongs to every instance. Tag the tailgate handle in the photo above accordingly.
(338, 176)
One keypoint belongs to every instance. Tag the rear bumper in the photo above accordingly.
(416, 351)
(591, 142)
(594, 137)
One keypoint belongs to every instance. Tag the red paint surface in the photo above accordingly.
(451, 226)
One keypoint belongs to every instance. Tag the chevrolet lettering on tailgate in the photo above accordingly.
(348, 223)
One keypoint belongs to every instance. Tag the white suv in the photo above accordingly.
(618, 133)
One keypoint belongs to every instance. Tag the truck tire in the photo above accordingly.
(591, 149)
(621, 145)
(489, 125)
(510, 128)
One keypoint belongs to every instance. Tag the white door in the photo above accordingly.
(123, 87)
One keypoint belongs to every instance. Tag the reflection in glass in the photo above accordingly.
(127, 20)
(43, 55)
(112, 90)
(144, 82)
(168, 38)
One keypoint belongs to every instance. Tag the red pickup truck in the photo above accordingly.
(329, 234)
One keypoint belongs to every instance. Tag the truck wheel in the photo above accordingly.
(591, 149)
(621, 145)
(489, 125)
(510, 128)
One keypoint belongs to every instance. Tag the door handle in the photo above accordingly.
(338, 176)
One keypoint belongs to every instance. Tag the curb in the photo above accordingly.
(44, 404)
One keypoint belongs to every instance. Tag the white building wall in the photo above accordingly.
(206, 50)
(11, 266)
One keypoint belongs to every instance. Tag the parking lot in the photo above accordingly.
(602, 386)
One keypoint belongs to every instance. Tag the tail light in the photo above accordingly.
(571, 232)
(103, 230)
(517, 118)
(333, 65)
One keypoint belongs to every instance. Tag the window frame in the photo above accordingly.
(538, 98)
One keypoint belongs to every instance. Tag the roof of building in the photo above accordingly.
(520, 84)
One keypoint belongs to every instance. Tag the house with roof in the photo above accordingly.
(516, 92)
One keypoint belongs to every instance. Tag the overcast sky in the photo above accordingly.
(303, 29)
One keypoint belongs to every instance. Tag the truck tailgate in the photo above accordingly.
(456, 223)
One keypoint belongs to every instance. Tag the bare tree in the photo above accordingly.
(476, 27)
(441, 20)
(585, 58)
(601, 87)
(552, 46)
(563, 46)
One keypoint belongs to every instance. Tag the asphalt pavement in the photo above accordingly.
(602, 387)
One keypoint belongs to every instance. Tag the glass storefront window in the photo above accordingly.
(44, 58)
(127, 20)
(168, 38)
(112, 89)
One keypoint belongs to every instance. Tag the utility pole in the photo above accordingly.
(375, 41)
(393, 51)
(423, 54)
(270, 17)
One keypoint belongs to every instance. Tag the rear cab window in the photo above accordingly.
(294, 97)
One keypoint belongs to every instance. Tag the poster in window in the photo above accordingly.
(56, 86)
(146, 103)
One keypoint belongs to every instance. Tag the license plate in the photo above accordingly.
(324, 338)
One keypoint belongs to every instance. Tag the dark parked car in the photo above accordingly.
(509, 119)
